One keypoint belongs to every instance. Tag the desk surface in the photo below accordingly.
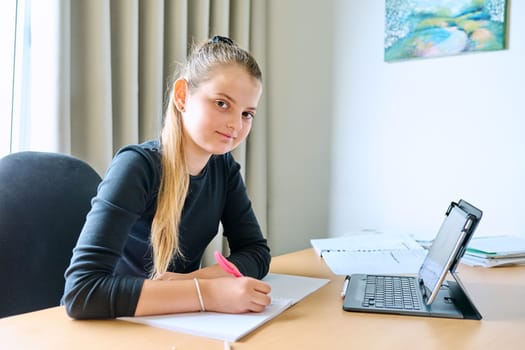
(317, 322)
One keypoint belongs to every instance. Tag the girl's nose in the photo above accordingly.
(235, 122)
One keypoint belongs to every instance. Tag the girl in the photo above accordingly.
(161, 202)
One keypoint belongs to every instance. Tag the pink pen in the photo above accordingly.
(226, 265)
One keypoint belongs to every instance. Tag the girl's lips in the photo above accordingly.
(228, 136)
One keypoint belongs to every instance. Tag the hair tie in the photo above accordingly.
(222, 39)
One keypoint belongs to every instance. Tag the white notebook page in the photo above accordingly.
(286, 291)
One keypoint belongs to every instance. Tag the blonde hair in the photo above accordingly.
(216, 52)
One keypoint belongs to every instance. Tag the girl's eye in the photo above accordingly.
(221, 104)
(248, 115)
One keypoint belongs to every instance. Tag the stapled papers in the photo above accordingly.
(371, 253)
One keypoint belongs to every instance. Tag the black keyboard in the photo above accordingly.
(391, 292)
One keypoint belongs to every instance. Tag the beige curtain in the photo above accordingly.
(116, 58)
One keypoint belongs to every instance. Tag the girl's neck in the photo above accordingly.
(196, 157)
(196, 161)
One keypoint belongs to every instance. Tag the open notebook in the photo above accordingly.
(287, 290)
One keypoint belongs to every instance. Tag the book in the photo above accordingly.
(287, 290)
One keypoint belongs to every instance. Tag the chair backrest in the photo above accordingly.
(44, 199)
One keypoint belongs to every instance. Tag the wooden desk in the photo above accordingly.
(317, 322)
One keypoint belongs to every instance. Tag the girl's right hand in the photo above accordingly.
(235, 295)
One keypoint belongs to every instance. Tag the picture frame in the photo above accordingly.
(434, 28)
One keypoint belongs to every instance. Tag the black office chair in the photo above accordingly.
(44, 199)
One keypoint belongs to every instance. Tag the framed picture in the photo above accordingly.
(432, 28)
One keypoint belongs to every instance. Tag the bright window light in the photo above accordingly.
(7, 46)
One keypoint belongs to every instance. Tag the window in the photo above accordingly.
(7, 46)
(26, 75)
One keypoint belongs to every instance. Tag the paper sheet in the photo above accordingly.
(365, 243)
(376, 253)
(286, 291)
(375, 262)
(228, 327)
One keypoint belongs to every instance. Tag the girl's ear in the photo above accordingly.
(180, 89)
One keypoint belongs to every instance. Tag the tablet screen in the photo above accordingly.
(443, 251)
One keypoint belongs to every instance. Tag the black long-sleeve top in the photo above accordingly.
(113, 254)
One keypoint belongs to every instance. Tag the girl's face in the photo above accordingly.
(217, 116)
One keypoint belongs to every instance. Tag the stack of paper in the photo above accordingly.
(378, 253)
(491, 251)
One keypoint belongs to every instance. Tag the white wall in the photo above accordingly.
(299, 93)
(357, 143)
(409, 137)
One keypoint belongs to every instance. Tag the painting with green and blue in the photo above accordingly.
(432, 28)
